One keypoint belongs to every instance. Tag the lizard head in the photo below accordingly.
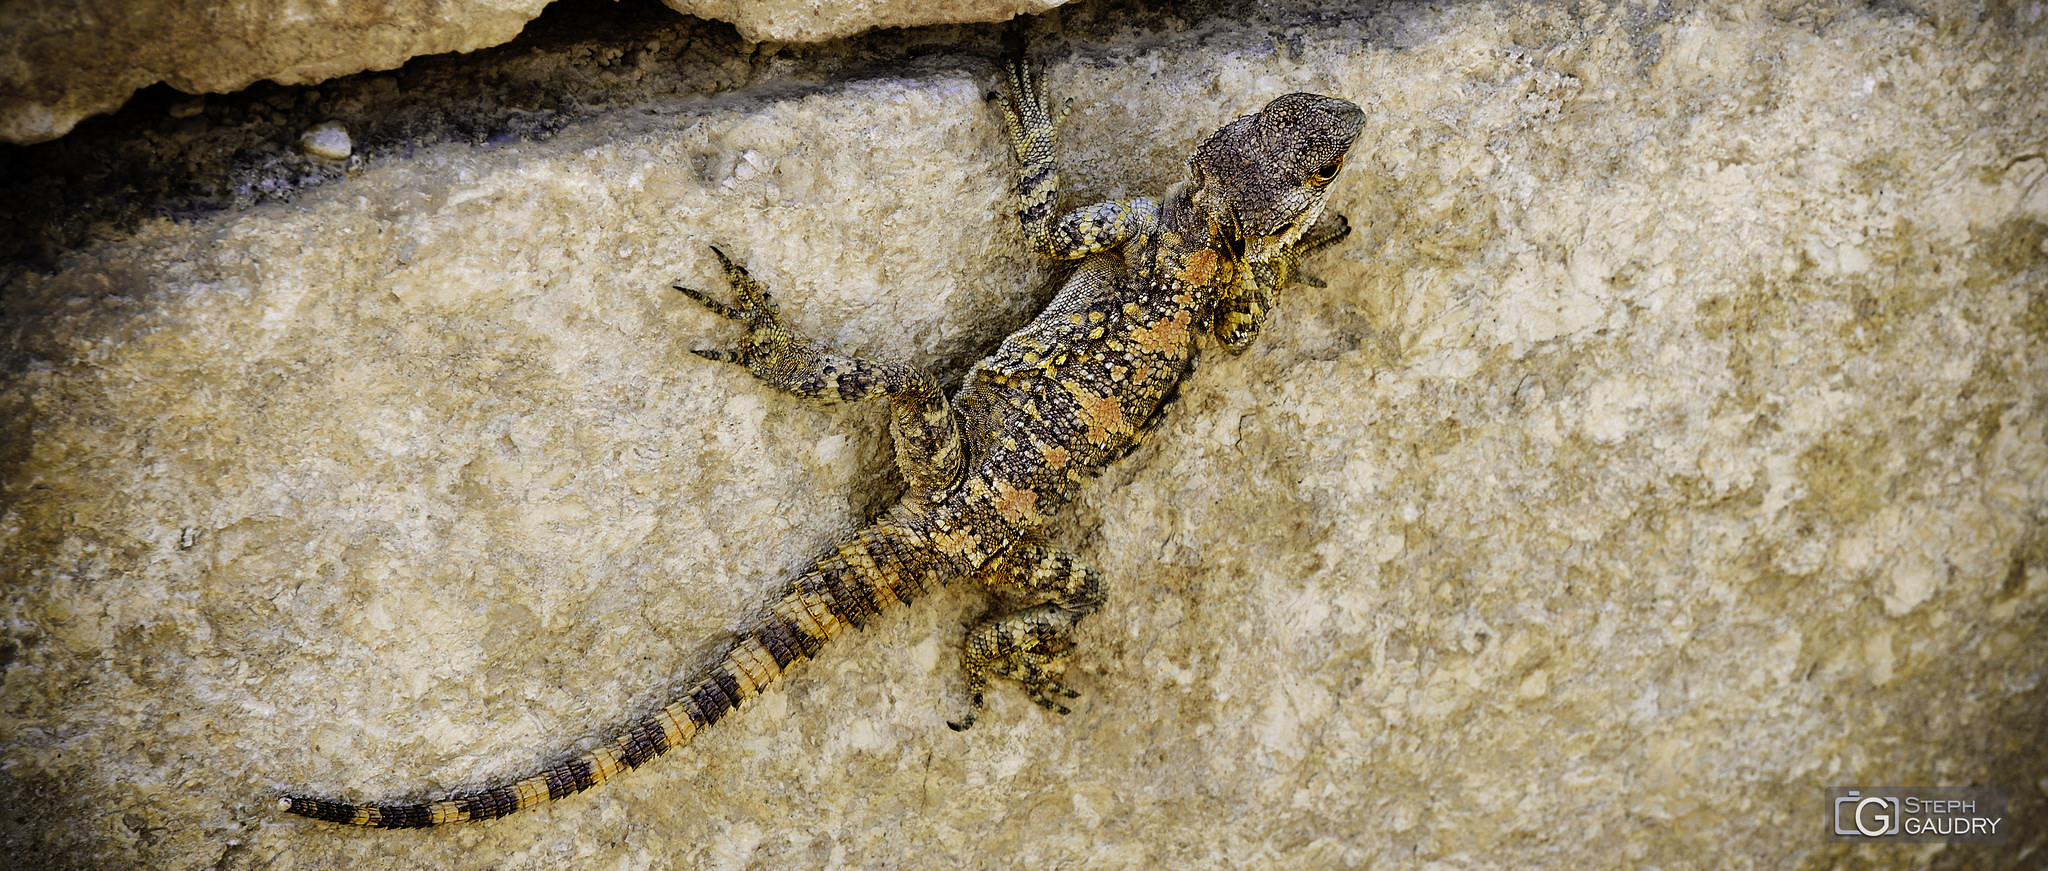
(1262, 179)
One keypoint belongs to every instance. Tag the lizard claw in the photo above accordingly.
(1039, 695)
(1027, 112)
(752, 303)
(720, 308)
(767, 339)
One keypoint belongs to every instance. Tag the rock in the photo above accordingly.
(70, 61)
(327, 139)
(1670, 442)
(813, 20)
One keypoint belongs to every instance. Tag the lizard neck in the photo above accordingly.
(1196, 247)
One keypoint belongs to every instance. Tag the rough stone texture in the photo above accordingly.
(188, 157)
(61, 62)
(1670, 442)
(813, 20)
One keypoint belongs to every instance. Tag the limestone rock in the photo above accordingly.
(1669, 443)
(61, 62)
(813, 20)
(328, 140)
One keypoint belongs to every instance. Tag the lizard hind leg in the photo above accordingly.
(1030, 645)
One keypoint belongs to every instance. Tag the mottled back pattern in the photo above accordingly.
(1072, 392)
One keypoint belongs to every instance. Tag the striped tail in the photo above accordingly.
(868, 573)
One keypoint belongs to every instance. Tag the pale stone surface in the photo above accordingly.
(1668, 444)
(813, 20)
(61, 62)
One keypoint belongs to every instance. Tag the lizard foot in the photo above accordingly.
(1029, 647)
(768, 342)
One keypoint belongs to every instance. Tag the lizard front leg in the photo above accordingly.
(1242, 309)
(922, 423)
(1034, 131)
(1030, 645)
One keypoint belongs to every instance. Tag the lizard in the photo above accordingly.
(986, 469)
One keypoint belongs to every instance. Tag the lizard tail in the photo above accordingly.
(869, 572)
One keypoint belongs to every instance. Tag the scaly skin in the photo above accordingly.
(1059, 401)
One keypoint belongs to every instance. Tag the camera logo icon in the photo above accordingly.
(1871, 816)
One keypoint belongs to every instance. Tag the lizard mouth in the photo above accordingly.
(1254, 239)
(1262, 245)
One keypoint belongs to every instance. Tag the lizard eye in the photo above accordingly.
(1328, 171)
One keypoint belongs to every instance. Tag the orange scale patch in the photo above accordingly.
(1015, 504)
(1167, 337)
(1199, 267)
(1102, 415)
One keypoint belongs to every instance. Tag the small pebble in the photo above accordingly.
(326, 139)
